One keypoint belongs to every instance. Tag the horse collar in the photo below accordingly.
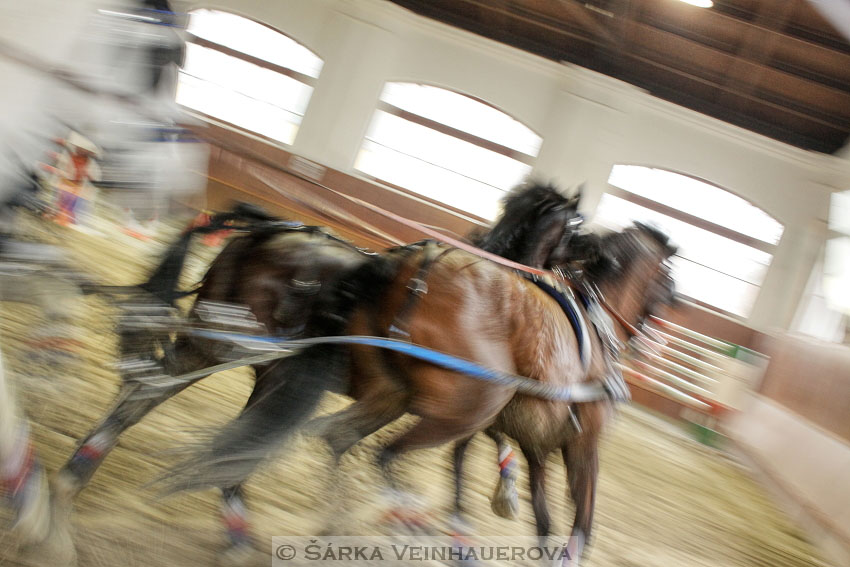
(598, 315)
(566, 300)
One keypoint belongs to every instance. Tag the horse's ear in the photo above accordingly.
(670, 249)
(477, 235)
(550, 233)
(579, 192)
(573, 202)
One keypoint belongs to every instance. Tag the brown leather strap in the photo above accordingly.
(417, 288)
(630, 329)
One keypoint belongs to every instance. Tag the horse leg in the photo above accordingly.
(22, 479)
(459, 527)
(344, 429)
(24, 483)
(582, 460)
(505, 501)
(233, 508)
(537, 483)
(127, 410)
(458, 458)
(428, 432)
(134, 401)
(234, 514)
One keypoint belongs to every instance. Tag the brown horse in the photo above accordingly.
(475, 310)
(276, 270)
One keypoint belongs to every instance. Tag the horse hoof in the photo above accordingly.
(574, 549)
(57, 551)
(505, 501)
(33, 521)
(408, 520)
(236, 555)
(57, 548)
(462, 543)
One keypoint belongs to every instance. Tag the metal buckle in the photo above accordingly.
(574, 420)
(417, 286)
(308, 287)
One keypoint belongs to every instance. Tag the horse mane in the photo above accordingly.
(602, 258)
(513, 235)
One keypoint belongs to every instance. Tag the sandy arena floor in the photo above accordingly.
(664, 500)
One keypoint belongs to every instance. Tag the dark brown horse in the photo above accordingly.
(475, 310)
(277, 271)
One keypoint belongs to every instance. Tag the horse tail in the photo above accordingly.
(232, 453)
(163, 281)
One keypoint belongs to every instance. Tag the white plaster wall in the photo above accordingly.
(51, 31)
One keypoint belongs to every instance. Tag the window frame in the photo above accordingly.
(704, 224)
(496, 147)
(418, 119)
(251, 59)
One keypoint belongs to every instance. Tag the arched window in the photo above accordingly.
(446, 146)
(725, 242)
(247, 74)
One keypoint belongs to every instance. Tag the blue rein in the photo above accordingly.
(579, 392)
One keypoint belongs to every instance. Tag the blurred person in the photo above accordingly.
(146, 156)
(45, 29)
(76, 171)
(114, 80)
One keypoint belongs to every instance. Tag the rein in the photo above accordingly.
(631, 330)
(282, 348)
(435, 234)
(593, 292)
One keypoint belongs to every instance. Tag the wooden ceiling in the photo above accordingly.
(776, 67)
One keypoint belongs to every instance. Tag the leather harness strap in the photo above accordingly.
(613, 383)
(417, 287)
(568, 305)
(597, 312)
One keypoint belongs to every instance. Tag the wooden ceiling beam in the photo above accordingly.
(684, 17)
(830, 39)
(497, 18)
(697, 58)
(513, 12)
(646, 38)
(795, 109)
(758, 46)
(588, 20)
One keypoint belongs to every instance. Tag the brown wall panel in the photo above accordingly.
(811, 378)
(248, 169)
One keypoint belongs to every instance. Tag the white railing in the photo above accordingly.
(706, 375)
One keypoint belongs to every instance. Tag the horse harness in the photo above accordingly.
(416, 286)
(565, 292)
(611, 387)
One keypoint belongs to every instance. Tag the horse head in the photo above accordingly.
(630, 268)
(535, 226)
(662, 289)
